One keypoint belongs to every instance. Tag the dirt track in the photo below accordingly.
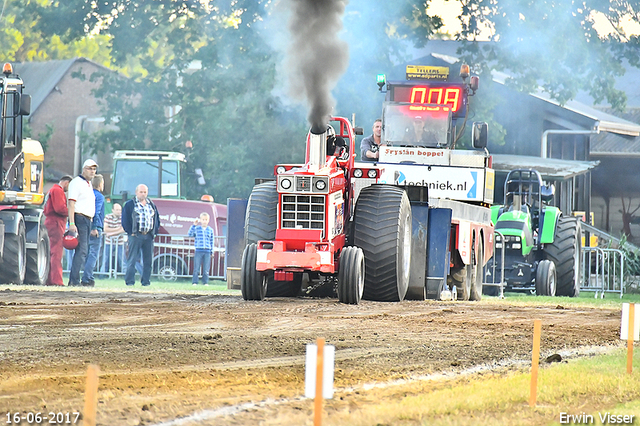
(164, 356)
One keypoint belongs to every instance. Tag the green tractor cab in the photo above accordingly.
(541, 247)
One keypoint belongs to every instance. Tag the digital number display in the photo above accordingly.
(450, 97)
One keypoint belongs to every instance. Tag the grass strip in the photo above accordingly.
(586, 386)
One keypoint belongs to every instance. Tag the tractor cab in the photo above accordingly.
(525, 192)
(427, 127)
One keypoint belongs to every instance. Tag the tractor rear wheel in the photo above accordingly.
(546, 278)
(38, 259)
(351, 275)
(468, 279)
(261, 221)
(476, 279)
(565, 252)
(253, 283)
(382, 228)
(262, 214)
(14, 267)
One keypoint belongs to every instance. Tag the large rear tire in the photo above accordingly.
(476, 278)
(38, 260)
(261, 221)
(565, 252)
(382, 228)
(262, 214)
(546, 278)
(253, 283)
(14, 267)
(351, 275)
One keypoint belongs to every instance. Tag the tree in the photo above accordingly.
(377, 34)
(551, 44)
(38, 30)
(200, 74)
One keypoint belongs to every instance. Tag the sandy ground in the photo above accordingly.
(167, 356)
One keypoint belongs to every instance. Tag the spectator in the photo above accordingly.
(82, 208)
(204, 247)
(55, 212)
(95, 236)
(114, 238)
(141, 221)
(370, 145)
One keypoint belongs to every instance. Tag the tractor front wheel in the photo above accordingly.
(546, 278)
(351, 275)
(14, 268)
(253, 283)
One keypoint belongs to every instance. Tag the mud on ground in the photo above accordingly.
(164, 356)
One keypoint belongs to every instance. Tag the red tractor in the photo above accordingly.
(302, 223)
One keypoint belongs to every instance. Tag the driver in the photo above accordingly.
(417, 134)
(336, 145)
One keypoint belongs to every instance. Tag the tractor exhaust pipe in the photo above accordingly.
(317, 149)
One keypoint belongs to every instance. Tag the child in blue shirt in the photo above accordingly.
(204, 247)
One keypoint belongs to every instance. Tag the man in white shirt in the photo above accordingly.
(82, 208)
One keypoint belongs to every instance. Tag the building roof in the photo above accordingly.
(549, 168)
(42, 78)
(603, 121)
(610, 144)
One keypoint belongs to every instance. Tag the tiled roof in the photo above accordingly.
(610, 144)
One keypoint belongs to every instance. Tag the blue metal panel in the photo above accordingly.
(417, 277)
(438, 253)
(236, 211)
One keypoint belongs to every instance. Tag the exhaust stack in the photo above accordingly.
(317, 149)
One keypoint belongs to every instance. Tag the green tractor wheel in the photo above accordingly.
(565, 252)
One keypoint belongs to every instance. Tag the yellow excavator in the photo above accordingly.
(24, 242)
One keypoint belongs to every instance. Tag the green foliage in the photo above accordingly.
(552, 45)
(205, 77)
(377, 33)
(631, 265)
(39, 30)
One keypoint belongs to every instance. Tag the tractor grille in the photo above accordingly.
(303, 183)
(303, 212)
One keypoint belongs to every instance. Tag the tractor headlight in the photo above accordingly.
(357, 173)
(280, 169)
(285, 183)
(372, 173)
(320, 184)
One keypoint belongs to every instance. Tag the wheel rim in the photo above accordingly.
(360, 277)
(406, 249)
(42, 255)
(168, 273)
(22, 259)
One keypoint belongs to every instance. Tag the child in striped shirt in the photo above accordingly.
(204, 247)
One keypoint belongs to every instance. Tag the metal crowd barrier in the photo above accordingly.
(602, 270)
(173, 258)
(490, 271)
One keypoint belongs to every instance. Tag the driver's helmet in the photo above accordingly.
(330, 131)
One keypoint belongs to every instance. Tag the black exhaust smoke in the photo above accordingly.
(317, 57)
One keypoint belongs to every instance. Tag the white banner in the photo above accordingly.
(413, 155)
(455, 183)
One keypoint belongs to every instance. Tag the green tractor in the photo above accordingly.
(542, 248)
